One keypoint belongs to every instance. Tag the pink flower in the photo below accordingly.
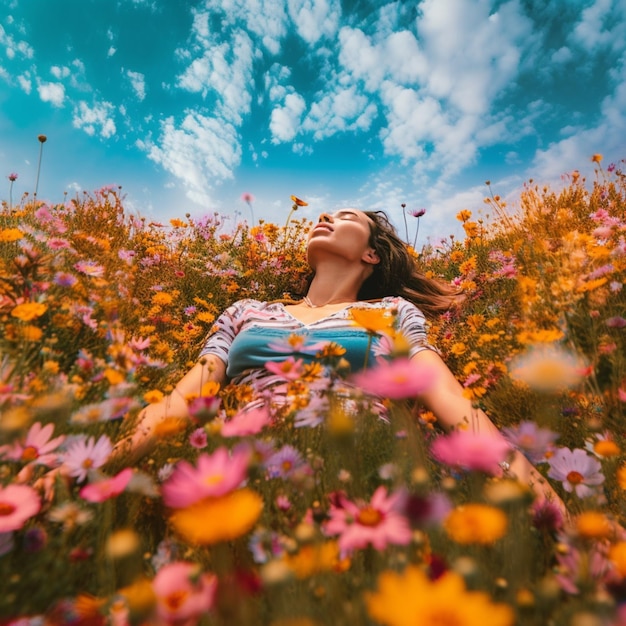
(12, 177)
(615, 322)
(621, 394)
(18, 503)
(37, 446)
(246, 423)
(204, 408)
(576, 470)
(85, 454)
(397, 379)
(286, 462)
(533, 441)
(183, 592)
(102, 490)
(215, 475)
(471, 451)
(90, 268)
(290, 369)
(377, 523)
(198, 438)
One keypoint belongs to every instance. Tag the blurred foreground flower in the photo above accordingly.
(397, 379)
(410, 597)
(213, 520)
(18, 503)
(476, 523)
(547, 368)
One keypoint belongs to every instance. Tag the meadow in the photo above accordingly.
(345, 520)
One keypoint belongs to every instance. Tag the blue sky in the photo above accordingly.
(363, 103)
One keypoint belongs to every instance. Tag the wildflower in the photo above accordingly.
(12, 177)
(203, 408)
(621, 476)
(70, 514)
(214, 475)
(153, 396)
(290, 369)
(373, 320)
(463, 215)
(397, 379)
(18, 503)
(576, 470)
(472, 451)
(89, 268)
(214, 519)
(533, 441)
(593, 525)
(244, 423)
(65, 279)
(377, 523)
(183, 592)
(285, 462)
(85, 454)
(417, 212)
(162, 298)
(102, 490)
(28, 311)
(122, 543)
(427, 510)
(313, 558)
(617, 556)
(547, 368)
(38, 446)
(596, 158)
(296, 343)
(297, 202)
(198, 438)
(615, 322)
(8, 235)
(575, 566)
(476, 523)
(410, 597)
(546, 516)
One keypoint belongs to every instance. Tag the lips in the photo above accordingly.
(325, 226)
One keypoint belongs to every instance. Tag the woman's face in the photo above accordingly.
(345, 233)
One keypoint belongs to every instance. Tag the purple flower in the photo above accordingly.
(65, 279)
(576, 470)
(198, 438)
(286, 462)
(615, 322)
(531, 440)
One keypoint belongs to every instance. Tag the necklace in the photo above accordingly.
(307, 302)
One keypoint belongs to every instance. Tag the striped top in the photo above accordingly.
(249, 333)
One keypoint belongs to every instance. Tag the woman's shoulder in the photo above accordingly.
(402, 305)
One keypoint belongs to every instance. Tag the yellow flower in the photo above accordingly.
(176, 223)
(8, 235)
(298, 202)
(458, 348)
(313, 558)
(617, 556)
(463, 215)
(205, 317)
(476, 523)
(212, 520)
(113, 376)
(139, 595)
(596, 158)
(540, 336)
(28, 311)
(593, 525)
(161, 298)
(606, 448)
(409, 598)
(471, 229)
(468, 266)
(31, 333)
(373, 320)
(547, 367)
(153, 396)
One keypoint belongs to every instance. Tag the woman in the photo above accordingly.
(358, 262)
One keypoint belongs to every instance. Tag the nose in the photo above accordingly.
(325, 217)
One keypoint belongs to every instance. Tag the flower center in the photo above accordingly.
(286, 465)
(575, 478)
(216, 479)
(443, 617)
(174, 600)
(369, 516)
(29, 453)
(6, 509)
(87, 463)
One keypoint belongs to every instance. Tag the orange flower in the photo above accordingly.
(596, 158)
(11, 234)
(373, 320)
(212, 520)
(593, 525)
(28, 311)
(476, 523)
(298, 202)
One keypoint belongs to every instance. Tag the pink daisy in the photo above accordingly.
(198, 439)
(576, 470)
(377, 523)
(215, 475)
(18, 503)
(290, 369)
(102, 490)
(246, 423)
(38, 446)
(90, 268)
(397, 379)
(85, 454)
(471, 451)
(183, 592)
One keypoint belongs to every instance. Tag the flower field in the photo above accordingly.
(294, 520)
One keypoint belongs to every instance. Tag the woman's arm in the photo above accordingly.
(446, 400)
(142, 440)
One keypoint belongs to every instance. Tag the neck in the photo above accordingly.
(332, 285)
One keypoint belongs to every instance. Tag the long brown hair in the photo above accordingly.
(397, 273)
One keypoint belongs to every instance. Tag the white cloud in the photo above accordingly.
(315, 19)
(54, 93)
(201, 152)
(96, 119)
(224, 70)
(340, 111)
(562, 55)
(25, 82)
(285, 120)
(13, 47)
(60, 72)
(138, 83)
(111, 51)
(594, 28)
